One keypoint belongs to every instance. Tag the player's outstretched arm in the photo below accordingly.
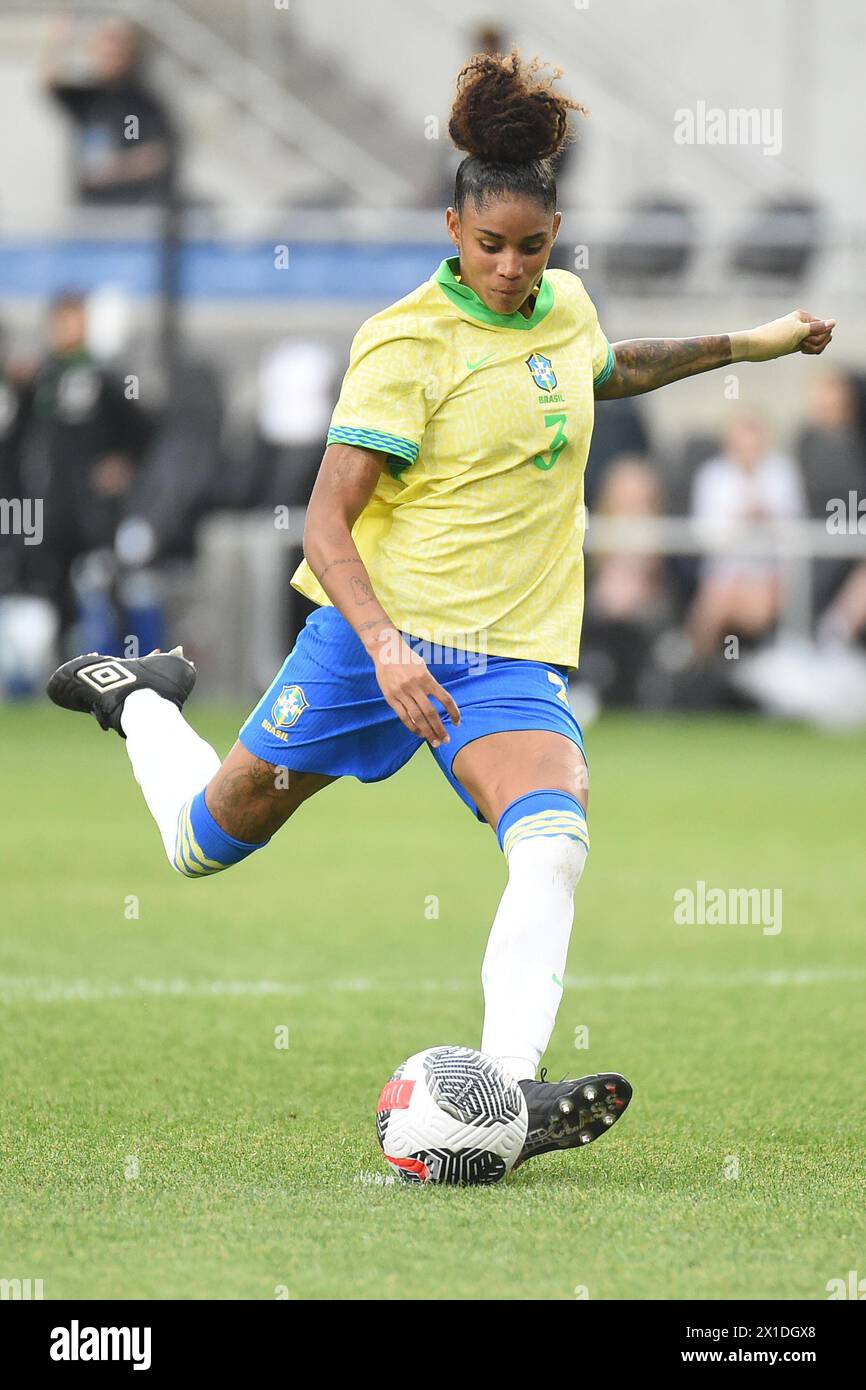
(644, 364)
(344, 485)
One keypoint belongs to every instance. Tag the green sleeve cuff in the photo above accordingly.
(606, 370)
(402, 449)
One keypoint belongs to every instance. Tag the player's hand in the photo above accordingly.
(819, 335)
(798, 331)
(407, 685)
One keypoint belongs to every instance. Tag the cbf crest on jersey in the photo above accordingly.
(289, 706)
(542, 371)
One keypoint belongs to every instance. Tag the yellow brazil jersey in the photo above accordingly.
(473, 536)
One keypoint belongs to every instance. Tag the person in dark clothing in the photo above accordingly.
(619, 429)
(126, 147)
(14, 407)
(831, 452)
(14, 410)
(83, 443)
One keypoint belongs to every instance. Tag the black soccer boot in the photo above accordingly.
(98, 685)
(569, 1114)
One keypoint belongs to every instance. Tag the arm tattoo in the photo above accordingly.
(348, 560)
(362, 591)
(643, 364)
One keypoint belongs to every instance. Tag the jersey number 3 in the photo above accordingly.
(557, 443)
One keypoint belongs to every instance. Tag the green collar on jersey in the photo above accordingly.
(467, 300)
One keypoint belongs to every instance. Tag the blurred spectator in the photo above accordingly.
(685, 459)
(297, 391)
(126, 147)
(628, 599)
(747, 481)
(14, 409)
(832, 458)
(680, 464)
(82, 447)
(297, 388)
(490, 38)
(619, 429)
(14, 406)
(845, 619)
(179, 479)
(831, 446)
(628, 586)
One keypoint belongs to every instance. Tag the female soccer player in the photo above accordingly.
(443, 545)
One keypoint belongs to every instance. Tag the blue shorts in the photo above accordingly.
(325, 712)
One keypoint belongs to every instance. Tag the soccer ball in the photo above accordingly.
(451, 1115)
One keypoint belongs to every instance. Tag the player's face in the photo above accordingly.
(503, 248)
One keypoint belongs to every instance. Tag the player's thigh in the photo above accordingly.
(498, 768)
(250, 798)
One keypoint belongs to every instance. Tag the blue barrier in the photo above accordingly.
(223, 270)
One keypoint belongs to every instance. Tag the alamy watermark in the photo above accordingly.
(463, 647)
(852, 1287)
(77, 1343)
(22, 516)
(14, 1290)
(847, 517)
(712, 125)
(713, 907)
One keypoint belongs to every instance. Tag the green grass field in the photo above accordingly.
(157, 1144)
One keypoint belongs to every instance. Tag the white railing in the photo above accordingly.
(793, 544)
(243, 579)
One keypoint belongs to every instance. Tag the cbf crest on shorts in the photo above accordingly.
(289, 706)
(542, 371)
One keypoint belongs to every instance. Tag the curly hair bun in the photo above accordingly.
(504, 112)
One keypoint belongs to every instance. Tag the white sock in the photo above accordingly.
(526, 952)
(170, 761)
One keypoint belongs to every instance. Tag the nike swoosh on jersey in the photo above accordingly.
(480, 362)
